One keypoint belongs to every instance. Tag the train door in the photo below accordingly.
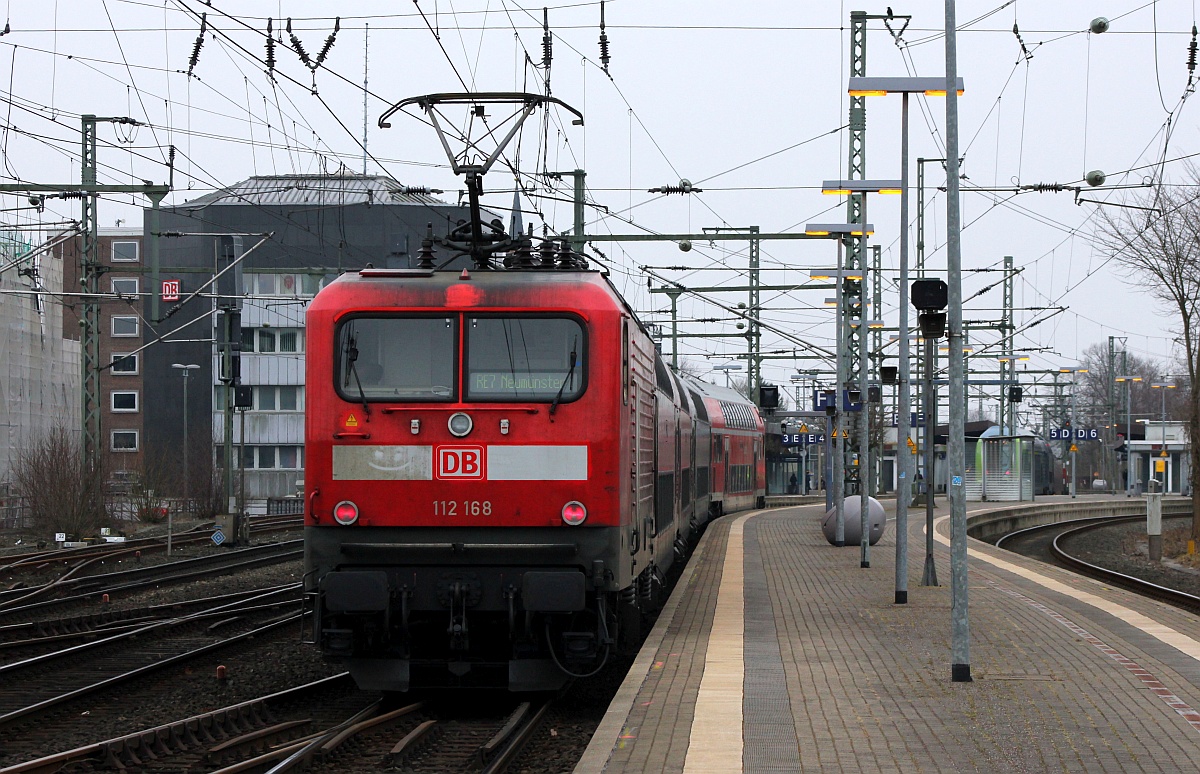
(629, 388)
(679, 506)
(645, 434)
(728, 467)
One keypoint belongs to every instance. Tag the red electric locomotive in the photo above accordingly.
(499, 469)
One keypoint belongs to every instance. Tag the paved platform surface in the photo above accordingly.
(778, 653)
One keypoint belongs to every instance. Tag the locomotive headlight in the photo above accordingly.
(345, 513)
(574, 514)
(460, 424)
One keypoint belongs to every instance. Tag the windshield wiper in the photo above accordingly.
(570, 373)
(351, 370)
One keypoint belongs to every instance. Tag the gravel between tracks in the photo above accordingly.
(1123, 548)
(273, 663)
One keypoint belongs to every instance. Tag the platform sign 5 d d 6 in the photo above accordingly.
(1074, 434)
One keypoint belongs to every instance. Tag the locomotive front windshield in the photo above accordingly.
(397, 358)
(524, 358)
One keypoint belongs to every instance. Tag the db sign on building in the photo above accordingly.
(170, 290)
(460, 462)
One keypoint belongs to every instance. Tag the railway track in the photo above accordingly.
(41, 560)
(1051, 541)
(34, 637)
(70, 588)
(327, 725)
(32, 687)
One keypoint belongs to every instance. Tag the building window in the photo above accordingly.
(124, 325)
(126, 286)
(124, 401)
(272, 457)
(266, 341)
(124, 252)
(273, 340)
(286, 398)
(289, 457)
(126, 365)
(124, 440)
(289, 399)
(291, 285)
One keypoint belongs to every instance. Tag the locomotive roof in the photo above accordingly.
(422, 288)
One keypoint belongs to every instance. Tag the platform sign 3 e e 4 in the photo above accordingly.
(460, 463)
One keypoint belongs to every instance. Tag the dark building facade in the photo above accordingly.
(270, 243)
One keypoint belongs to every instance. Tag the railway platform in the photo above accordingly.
(778, 653)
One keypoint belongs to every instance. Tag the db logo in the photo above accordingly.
(460, 462)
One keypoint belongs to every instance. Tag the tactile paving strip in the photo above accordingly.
(769, 729)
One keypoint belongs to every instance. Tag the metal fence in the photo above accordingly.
(14, 513)
(285, 506)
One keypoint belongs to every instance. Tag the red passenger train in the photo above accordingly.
(499, 471)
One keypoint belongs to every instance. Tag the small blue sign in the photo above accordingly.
(956, 481)
(917, 419)
(851, 405)
(218, 537)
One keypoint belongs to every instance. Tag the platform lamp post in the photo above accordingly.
(929, 297)
(1128, 380)
(799, 378)
(1163, 386)
(878, 87)
(834, 423)
(847, 188)
(187, 500)
(1073, 371)
(864, 439)
(727, 367)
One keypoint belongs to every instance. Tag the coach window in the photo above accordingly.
(396, 358)
(525, 359)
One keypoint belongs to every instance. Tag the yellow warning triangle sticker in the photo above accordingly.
(912, 445)
(804, 428)
(351, 421)
(1074, 448)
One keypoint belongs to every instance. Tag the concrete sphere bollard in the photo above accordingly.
(876, 521)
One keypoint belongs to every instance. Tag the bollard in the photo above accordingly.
(222, 674)
(104, 599)
(1154, 521)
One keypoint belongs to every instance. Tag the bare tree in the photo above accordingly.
(693, 368)
(62, 489)
(1156, 243)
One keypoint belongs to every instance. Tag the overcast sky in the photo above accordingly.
(746, 100)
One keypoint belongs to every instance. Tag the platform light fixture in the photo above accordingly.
(847, 187)
(1128, 380)
(839, 229)
(866, 86)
